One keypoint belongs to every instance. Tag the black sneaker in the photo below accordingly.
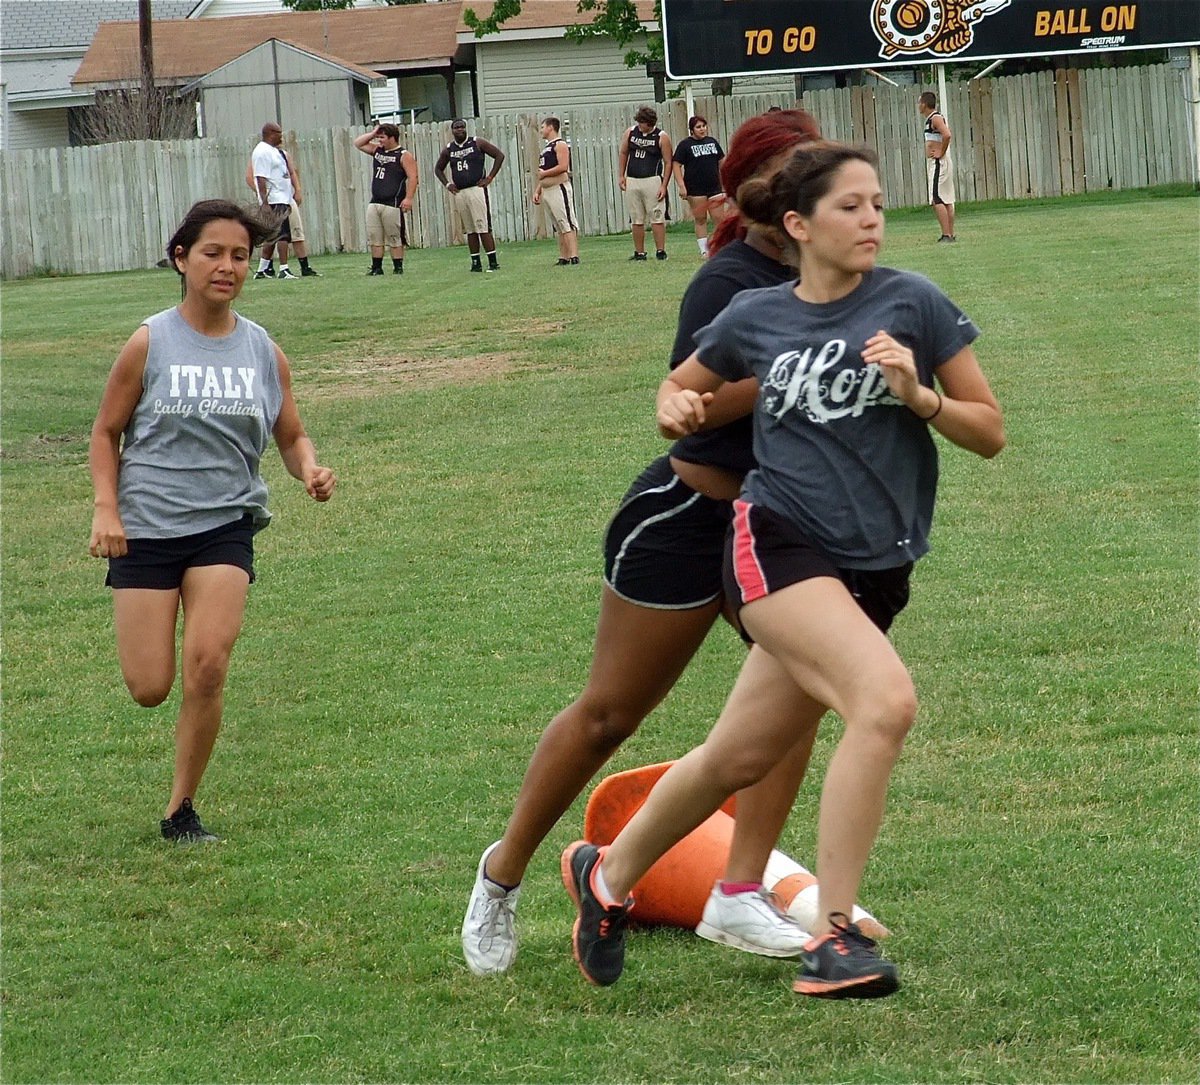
(598, 940)
(574, 259)
(661, 254)
(397, 271)
(562, 261)
(477, 267)
(184, 827)
(493, 265)
(638, 256)
(264, 275)
(844, 963)
(309, 272)
(375, 271)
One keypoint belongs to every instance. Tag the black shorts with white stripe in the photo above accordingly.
(665, 546)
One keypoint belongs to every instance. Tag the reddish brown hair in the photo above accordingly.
(753, 145)
(803, 179)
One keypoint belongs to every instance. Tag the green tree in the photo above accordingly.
(615, 19)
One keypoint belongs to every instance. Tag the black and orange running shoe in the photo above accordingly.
(598, 939)
(844, 963)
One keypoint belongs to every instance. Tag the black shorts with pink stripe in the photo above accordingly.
(765, 553)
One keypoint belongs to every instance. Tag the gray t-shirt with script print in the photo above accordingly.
(840, 456)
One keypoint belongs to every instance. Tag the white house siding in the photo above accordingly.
(219, 9)
(759, 84)
(35, 128)
(549, 74)
(542, 75)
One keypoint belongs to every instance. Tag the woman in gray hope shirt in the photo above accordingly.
(824, 536)
(191, 402)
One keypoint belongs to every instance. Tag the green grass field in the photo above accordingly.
(405, 644)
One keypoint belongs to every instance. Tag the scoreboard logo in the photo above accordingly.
(942, 27)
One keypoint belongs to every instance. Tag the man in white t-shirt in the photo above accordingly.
(273, 183)
(266, 267)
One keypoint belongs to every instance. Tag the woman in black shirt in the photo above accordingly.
(698, 177)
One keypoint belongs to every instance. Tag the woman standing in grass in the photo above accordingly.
(190, 404)
(697, 167)
(661, 596)
(824, 536)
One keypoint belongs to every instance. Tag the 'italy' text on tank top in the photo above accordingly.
(210, 389)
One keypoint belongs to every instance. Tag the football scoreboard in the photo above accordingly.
(718, 38)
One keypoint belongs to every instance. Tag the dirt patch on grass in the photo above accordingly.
(356, 378)
(362, 370)
(47, 448)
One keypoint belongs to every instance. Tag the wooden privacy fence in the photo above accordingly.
(112, 207)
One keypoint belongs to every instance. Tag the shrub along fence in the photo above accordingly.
(112, 207)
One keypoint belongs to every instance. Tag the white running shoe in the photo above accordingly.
(753, 922)
(489, 930)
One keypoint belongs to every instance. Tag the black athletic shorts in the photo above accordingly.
(283, 215)
(665, 546)
(161, 563)
(765, 553)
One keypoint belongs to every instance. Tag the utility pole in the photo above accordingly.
(149, 113)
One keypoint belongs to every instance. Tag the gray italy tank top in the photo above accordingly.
(191, 450)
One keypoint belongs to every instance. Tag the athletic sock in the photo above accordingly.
(398, 265)
(488, 878)
(600, 887)
(703, 243)
(303, 263)
(732, 889)
(376, 263)
(263, 264)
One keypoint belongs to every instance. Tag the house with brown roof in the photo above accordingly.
(439, 67)
(41, 45)
(411, 42)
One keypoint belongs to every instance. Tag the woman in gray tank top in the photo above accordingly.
(190, 405)
(824, 534)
